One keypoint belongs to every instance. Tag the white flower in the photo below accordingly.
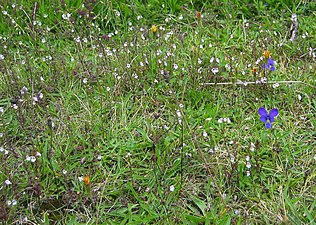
(14, 202)
(7, 182)
(66, 16)
(32, 159)
(247, 158)
(181, 105)
(1, 57)
(215, 70)
(64, 171)
(108, 88)
(205, 134)
(275, 85)
(171, 188)
(85, 80)
(80, 179)
(175, 66)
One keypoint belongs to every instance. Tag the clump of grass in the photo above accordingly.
(107, 117)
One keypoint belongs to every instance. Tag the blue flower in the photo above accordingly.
(269, 65)
(267, 118)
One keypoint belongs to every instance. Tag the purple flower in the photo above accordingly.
(269, 65)
(267, 118)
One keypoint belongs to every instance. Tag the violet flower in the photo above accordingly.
(269, 65)
(268, 118)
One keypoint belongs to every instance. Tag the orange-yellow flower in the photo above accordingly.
(154, 28)
(86, 180)
(199, 15)
(267, 54)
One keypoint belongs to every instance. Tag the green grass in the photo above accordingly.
(98, 95)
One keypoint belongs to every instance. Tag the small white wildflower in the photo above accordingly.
(4, 12)
(64, 171)
(248, 173)
(180, 17)
(188, 155)
(14, 202)
(1, 135)
(99, 157)
(248, 165)
(205, 134)
(141, 64)
(7, 182)
(9, 202)
(38, 154)
(275, 85)
(15, 106)
(263, 80)
(299, 97)
(45, 15)
(215, 70)
(181, 105)
(85, 80)
(108, 89)
(128, 65)
(171, 188)
(66, 16)
(199, 61)
(1, 57)
(247, 158)
(80, 179)
(43, 40)
(175, 66)
(232, 159)
(32, 159)
(220, 120)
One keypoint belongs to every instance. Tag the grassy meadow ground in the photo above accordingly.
(146, 112)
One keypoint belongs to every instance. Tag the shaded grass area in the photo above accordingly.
(105, 121)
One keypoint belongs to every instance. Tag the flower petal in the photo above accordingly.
(273, 112)
(263, 112)
(270, 62)
(263, 119)
(268, 125)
